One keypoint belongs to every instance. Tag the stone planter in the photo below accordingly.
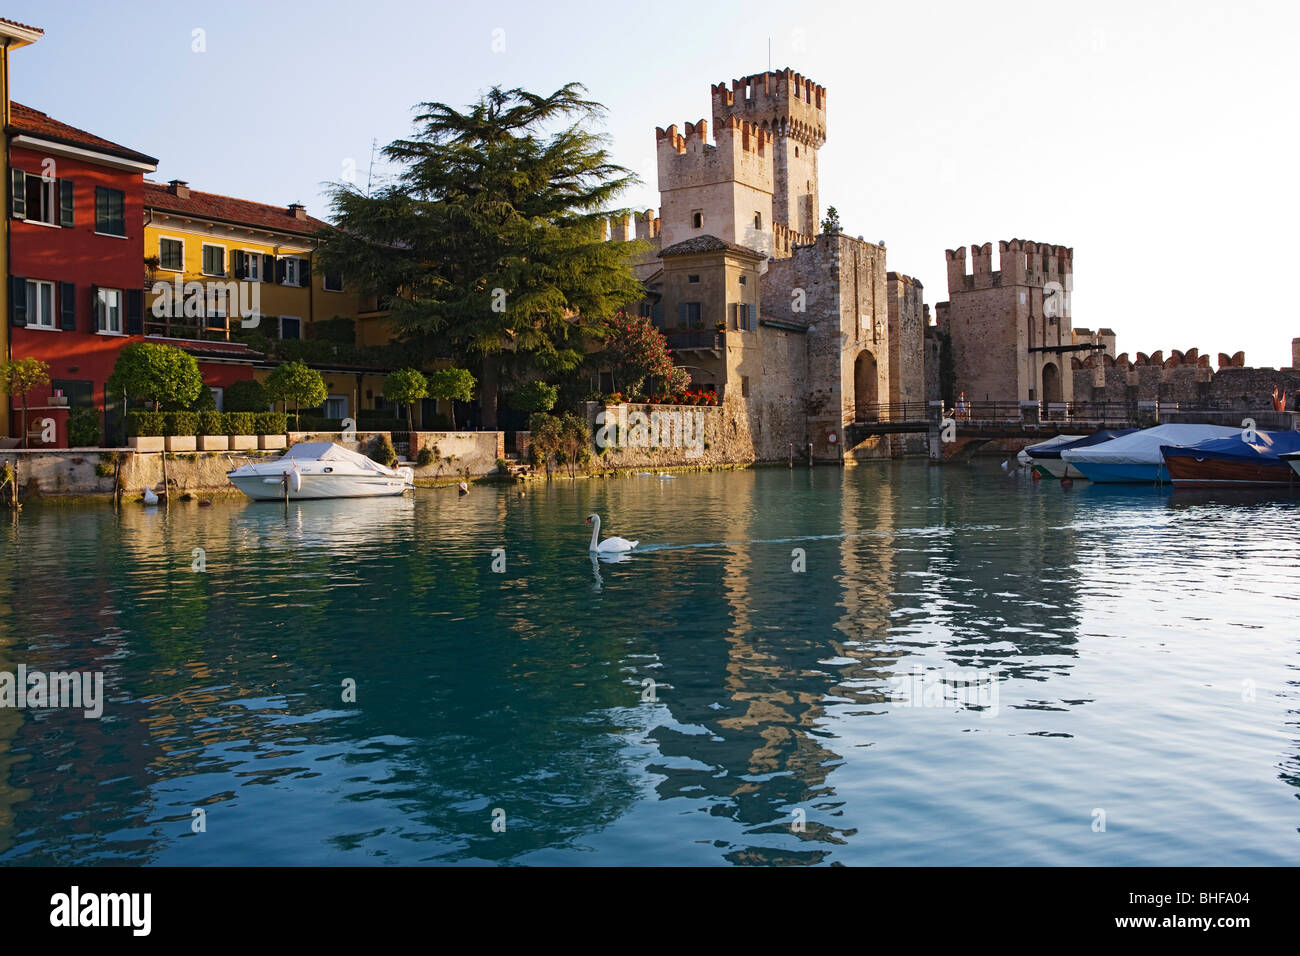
(214, 443)
(242, 442)
(266, 442)
(145, 443)
(180, 442)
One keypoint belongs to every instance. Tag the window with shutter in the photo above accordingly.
(135, 312)
(171, 255)
(18, 194)
(110, 211)
(66, 218)
(214, 260)
(68, 306)
(17, 301)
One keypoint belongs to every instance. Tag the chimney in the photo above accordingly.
(179, 188)
(297, 210)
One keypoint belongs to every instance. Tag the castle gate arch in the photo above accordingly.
(1051, 383)
(865, 385)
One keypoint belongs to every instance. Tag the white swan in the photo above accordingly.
(609, 545)
(149, 497)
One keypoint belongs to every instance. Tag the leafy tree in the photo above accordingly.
(19, 377)
(634, 351)
(248, 395)
(575, 441)
(536, 396)
(297, 383)
(406, 386)
(454, 385)
(545, 440)
(157, 373)
(491, 239)
(831, 224)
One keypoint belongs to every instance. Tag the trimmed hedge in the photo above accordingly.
(157, 424)
(240, 423)
(271, 423)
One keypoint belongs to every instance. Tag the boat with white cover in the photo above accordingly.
(320, 469)
(1136, 457)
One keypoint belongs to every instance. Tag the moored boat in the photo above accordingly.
(1026, 455)
(1136, 457)
(1046, 458)
(319, 470)
(1292, 458)
(1234, 462)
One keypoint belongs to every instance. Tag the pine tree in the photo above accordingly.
(491, 239)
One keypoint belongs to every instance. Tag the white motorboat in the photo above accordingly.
(320, 469)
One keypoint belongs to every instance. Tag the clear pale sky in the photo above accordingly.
(1158, 139)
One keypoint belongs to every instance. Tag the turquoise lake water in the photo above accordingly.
(970, 668)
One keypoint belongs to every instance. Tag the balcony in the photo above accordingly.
(682, 341)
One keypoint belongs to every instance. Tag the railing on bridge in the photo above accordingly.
(1093, 413)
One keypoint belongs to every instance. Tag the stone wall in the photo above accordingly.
(72, 472)
(725, 439)
(1183, 377)
(907, 325)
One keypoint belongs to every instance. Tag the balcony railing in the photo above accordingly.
(679, 341)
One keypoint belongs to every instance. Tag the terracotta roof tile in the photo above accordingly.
(22, 26)
(24, 119)
(706, 243)
(242, 212)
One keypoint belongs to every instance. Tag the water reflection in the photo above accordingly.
(773, 610)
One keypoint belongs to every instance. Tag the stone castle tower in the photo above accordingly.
(756, 186)
(1011, 328)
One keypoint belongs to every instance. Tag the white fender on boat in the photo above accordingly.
(295, 478)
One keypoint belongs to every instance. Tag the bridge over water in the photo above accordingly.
(955, 433)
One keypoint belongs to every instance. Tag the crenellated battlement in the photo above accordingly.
(786, 103)
(1021, 262)
(741, 153)
(784, 240)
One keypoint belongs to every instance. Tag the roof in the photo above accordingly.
(698, 244)
(242, 212)
(24, 119)
(218, 349)
(18, 30)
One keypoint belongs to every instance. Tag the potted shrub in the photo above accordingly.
(180, 429)
(271, 428)
(241, 430)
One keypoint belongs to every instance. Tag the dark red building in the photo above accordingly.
(76, 268)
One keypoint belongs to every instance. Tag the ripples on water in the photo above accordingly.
(1142, 647)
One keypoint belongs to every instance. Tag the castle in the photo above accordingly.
(802, 331)
(799, 331)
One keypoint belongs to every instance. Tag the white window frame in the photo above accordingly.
(160, 255)
(203, 263)
(336, 398)
(252, 265)
(218, 395)
(324, 282)
(292, 270)
(51, 189)
(34, 311)
(101, 311)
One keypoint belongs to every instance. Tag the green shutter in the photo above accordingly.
(68, 306)
(237, 263)
(17, 300)
(94, 308)
(268, 268)
(133, 323)
(18, 194)
(66, 218)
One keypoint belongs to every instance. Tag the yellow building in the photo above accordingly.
(13, 36)
(219, 270)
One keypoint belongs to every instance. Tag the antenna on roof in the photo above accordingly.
(371, 174)
(769, 54)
